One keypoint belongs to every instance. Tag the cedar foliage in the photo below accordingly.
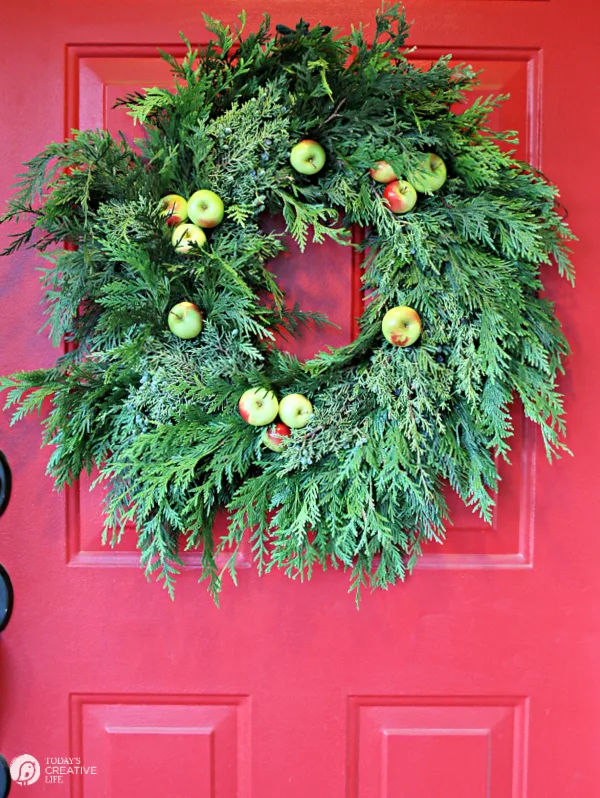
(362, 485)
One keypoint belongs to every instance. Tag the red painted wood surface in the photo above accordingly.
(476, 679)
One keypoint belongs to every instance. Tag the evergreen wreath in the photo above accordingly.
(158, 279)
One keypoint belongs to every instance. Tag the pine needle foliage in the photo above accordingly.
(362, 485)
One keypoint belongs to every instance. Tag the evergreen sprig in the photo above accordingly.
(361, 486)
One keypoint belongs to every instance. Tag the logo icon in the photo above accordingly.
(25, 770)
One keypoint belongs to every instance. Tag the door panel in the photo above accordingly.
(475, 679)
(192, 745)
(466, 747)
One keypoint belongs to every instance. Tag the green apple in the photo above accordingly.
(382, 172)
(258, 406)
(205, 208)
(400, 196)
(401, 326)
(307, 157)
(187, 237)
(174, 209)
(295, 410)
(185, 320)
(274, 437)
(430, 175)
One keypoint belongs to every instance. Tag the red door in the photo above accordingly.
(475, 679)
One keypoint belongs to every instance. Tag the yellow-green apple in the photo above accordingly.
(185, 320)
(274, 437)
(205, 208)
(295, 410)
(307, 157)
(187, 237)
(430, 175)
(382, 172)
(258, 406)
(401, 326)
(400, 196)
(174, 209)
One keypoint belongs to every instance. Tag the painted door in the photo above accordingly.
(478, 677)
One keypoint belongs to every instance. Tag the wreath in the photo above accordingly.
(171, 386)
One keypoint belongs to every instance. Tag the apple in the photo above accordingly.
(401, 326)
(205, 208)
(295, 410)
(307, 157)
(174, 209)
(274, 437)
(399, 196)
(187, 237)
(382, 172)
(258, 406)
(430, 175)
(185, 320)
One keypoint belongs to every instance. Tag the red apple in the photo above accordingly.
(399, 196)
(274, 437)
(174, 209)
